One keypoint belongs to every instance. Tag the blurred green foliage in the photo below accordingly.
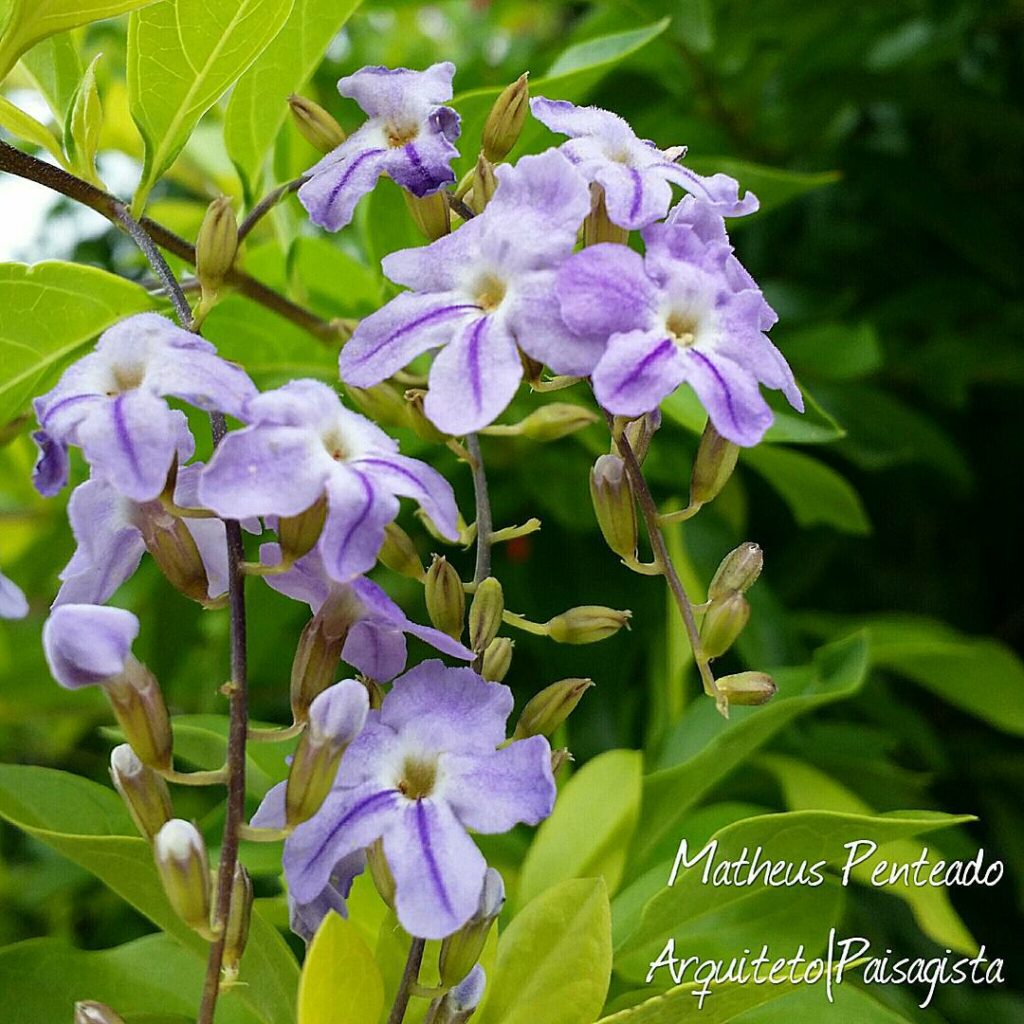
(886, 141)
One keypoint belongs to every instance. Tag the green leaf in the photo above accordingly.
(87, 824)
(259, 103)
(341, 983)
(589, 832)
(814, 492)
(793, 837)
(56, 68)
(25, 127)
(29, 21)
(713, 747)
(805, 789)
(182, 57)
(572, 76)
(812, 426)
(554, 959)
(338, 284)
(48, 313)
(124, 978)
(773, 186)
(835, 351)
(805, 1006)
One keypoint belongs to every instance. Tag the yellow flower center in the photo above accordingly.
(683, 329)
(335, 446)
(489, 293)
(126, 378)
(418, 778)
(401, 135)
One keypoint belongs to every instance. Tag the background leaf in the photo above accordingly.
(340, 982)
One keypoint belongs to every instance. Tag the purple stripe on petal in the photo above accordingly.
(722, 384)
(365, 806)
(361, 518)
(425, 182)
(634, 208)
(665, 348)
(428, 854)
(349, 171)
(473, 359)
(62, 404)
(412, 325)
(123, 438)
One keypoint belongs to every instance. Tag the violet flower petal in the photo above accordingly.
(87, 644)
(637, 371)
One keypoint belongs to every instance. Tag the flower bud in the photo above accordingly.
(559, 759)
(383, 403)
(298, 534)
(315, 125)
(723, 623)
(216, 245)
(715, 461)
(747, 688)
(144, 792)
(484, 183)
(587, 624)
(418, 420)
(89, 1012)
(640, 432)
(460, 1003)
(497, 659)
(174, 549)
(461, 951)
(738, 572)
(336, 717)
(505, 121)
(399, 553)
(614, 505)
(180, 855)
(556, 420)
(315, 663)
(138, 705)
(546, 711)
(380, 872)
(598, 227)
(446, 599)
(85, 122)
(236, 928)
(485, 614)
(431, 214)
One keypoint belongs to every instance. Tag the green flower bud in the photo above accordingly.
(315, 662)
(485, 614)
(315, 125)
(461, 951)
(545, 712)
(614, 505)
(505, 121)
(738, 571)
(181, 860)
(640, 432)
(380, 872)
(555, 420)
(587, 624)
(89, 1012)
(399, 553)
(216, 245)
(431, 214)
(382, 403)
(446, 599)
(298, 535)
(424, 429)
(143, 791)
(174, 550)
(747, 688)
(497, 659)
(84, 124)
(139, 708)
(723, 623)
(598, 227)
(236, 928)
(715, 461)
(484, 183)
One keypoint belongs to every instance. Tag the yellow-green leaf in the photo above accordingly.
(25, 127)
(340, 981)
(183, 55)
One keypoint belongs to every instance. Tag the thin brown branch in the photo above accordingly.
(267, 203)
(409, 977)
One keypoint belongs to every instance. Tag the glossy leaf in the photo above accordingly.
(56, 68)
(591, 828)
(48, 313)
(258, 106)
(183, 55)
(25, 127)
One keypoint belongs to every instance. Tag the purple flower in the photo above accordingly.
(305, 918)
(480, 292)
(408, 136)
(375, 644)
(303, 443)
(12, 601)
(686, 311)
(87, 645)
(111, 532)
(424, 770)
(636, 176)
(111, 404)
